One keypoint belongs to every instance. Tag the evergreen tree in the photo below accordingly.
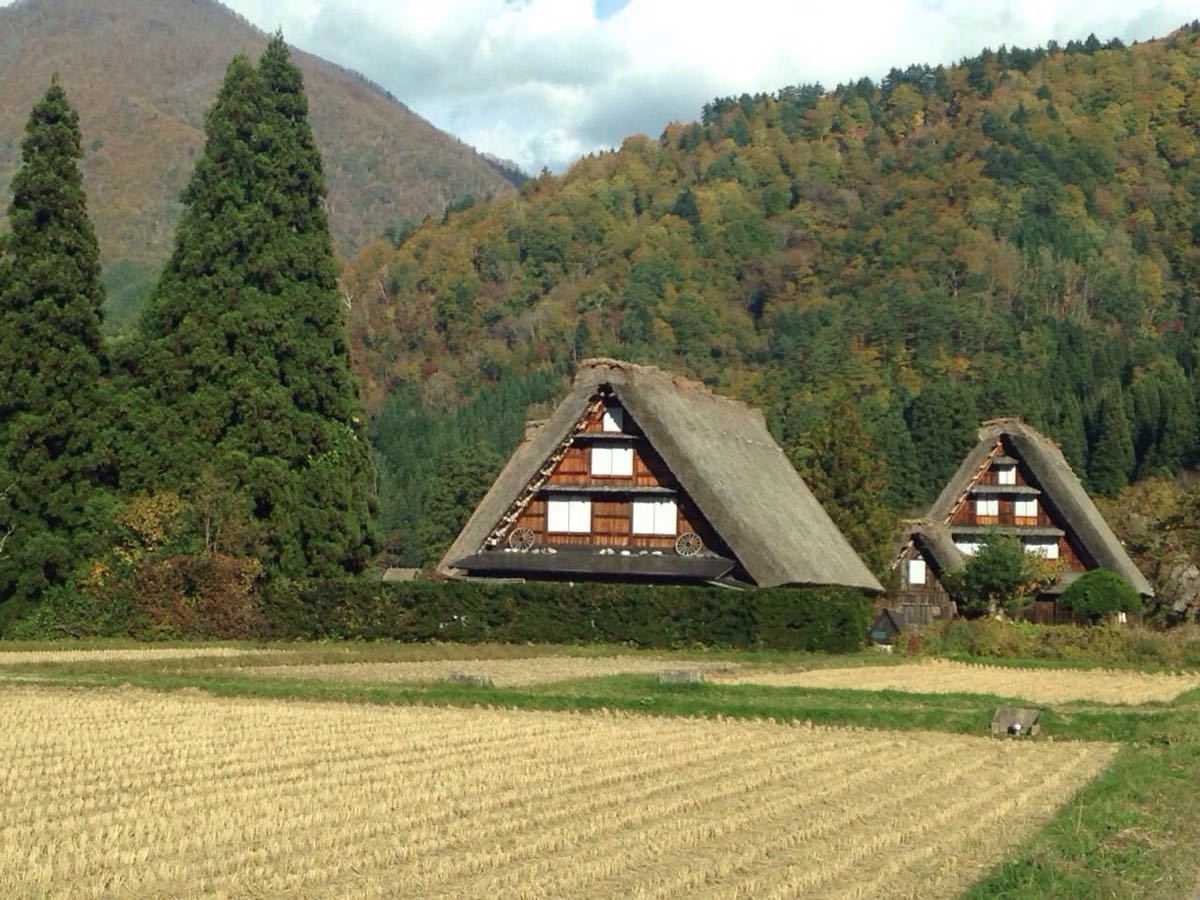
(53, 465)
(893, 442)
(850, 479)
(1110, 459)
(1067, 429)
(246, 352)
(451, 494)
(1163, 420)
(944, 422)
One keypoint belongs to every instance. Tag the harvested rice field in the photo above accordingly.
(502, 672)
(129, 793)
(942, 677)
(139, 654)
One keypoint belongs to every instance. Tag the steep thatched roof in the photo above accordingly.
(1061, 488)
(933, 539)
(725, 460)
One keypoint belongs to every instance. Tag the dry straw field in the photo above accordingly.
(126, 793)
(138, 654)
(941, 677)
(504, 672)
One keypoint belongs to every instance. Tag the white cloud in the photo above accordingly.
(544, 81)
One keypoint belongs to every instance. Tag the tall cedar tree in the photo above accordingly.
(52, 363)
(850, 478)
(245, 348)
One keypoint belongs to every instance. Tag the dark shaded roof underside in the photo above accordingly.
(590, 562)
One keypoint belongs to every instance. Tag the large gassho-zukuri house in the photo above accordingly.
(642, 476)
(1015, 481)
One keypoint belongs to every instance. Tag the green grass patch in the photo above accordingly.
(1132, 832)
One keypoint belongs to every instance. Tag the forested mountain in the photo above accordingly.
(143, 72)
(1018, 234)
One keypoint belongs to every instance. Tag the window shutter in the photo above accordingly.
(580, 517)
(558, 515)
(665, 517)
(643, 517)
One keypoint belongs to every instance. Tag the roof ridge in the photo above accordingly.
(678, 381)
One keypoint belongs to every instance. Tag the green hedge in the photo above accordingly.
(834, 620)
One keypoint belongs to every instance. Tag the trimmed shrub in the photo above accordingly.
(1099, 593)
(828, 619)
(213, 596)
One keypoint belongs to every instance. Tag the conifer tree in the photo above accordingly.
(246, 323)
(52, 362)
(850, 479)
(1111, 458)
(944, 421)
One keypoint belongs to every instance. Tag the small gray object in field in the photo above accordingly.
(680, 676)
(471, 678)
(1016, 721)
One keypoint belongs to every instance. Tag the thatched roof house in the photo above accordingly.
(1014, 481)
(642, 475)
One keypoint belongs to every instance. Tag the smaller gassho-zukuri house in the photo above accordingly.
(642, 476)
(1015, 481)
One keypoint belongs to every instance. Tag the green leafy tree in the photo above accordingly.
(53, 463)
(1000, 576)
(1100, 593)
(246, 356)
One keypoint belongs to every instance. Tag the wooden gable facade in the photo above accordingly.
(1003, 497)
(609, 488)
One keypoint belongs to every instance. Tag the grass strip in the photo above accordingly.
(1132, 832)
(878, 710)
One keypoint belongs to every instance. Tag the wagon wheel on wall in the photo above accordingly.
(521, 538)
(688, 544)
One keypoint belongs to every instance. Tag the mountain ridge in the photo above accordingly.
(142, 73)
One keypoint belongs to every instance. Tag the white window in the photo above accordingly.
(916, 571)
(614, 419)
(1025, 509)
(967, 548)
(985, 506)
(654, 517)
(1048, 549)
(612, 460)
(1006, 474)
(573, 516)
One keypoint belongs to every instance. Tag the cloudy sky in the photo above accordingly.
(543, 82)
